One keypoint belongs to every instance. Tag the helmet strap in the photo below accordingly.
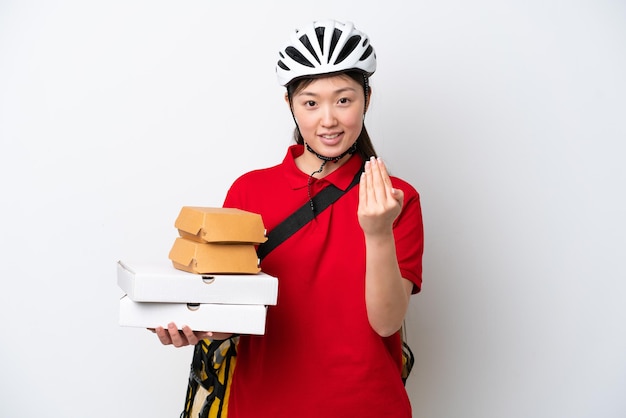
(324, 159)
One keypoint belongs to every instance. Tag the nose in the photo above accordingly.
(328, 116)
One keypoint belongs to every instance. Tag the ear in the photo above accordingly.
(287, 99)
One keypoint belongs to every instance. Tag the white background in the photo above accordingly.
(507, 116)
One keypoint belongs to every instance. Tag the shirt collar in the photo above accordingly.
(340, 178)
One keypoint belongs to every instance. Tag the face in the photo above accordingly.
(329, 112)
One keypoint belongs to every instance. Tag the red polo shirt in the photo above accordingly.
(319, 355)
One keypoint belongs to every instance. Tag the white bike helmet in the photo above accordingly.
(325, 47)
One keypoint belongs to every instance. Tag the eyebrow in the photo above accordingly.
(339, 91)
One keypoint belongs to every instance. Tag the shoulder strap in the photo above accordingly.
(302, 216)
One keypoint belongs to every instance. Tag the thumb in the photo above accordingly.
(398, 194)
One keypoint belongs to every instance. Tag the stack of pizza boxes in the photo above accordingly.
(212, 281)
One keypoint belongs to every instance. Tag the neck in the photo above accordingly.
(317, 165)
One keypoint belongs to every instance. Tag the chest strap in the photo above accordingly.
(304, 215)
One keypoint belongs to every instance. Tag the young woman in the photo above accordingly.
(331, 346)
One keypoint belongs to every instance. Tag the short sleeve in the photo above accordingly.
(409, 235)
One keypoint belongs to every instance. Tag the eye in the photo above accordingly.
(344, 100)
(309, 103)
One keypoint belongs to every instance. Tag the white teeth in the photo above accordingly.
(330, 136)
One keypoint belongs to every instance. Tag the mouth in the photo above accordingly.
(331, 138)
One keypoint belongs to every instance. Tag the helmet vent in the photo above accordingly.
(295, 55)
(333, 42)
(319, 32)
(367, 53)
(282, 65)
(307, 44)
(347, 49)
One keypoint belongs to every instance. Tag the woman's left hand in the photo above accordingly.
(379, 203)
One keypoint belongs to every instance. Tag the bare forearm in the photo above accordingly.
(386, 292)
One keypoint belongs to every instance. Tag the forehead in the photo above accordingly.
(329, 84)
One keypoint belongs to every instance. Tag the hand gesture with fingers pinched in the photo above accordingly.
(379, 203)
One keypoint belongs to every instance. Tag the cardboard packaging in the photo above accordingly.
(240, 319)
(220, 225)
(207, 258)
(215, 283)
(161, 282)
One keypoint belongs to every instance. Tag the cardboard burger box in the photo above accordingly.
(219, 258)
(240, 319)
(161, 282)
(220, 225)
(217, 240)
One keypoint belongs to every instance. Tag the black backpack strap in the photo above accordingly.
(304, 215)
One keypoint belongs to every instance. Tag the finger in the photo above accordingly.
(194, 337)
(378, 183)
(398, 194)
(203, 335)
(363, 189)
(385, 179)
(369, 181)
(163, 335)
(385, 174)
(189, 335)
(178, 339)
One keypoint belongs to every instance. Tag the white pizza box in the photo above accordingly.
(238, 319)
(161, 282)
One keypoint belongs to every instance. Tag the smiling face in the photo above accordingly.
(329, 112)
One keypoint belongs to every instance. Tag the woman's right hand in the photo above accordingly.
(185, 336)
